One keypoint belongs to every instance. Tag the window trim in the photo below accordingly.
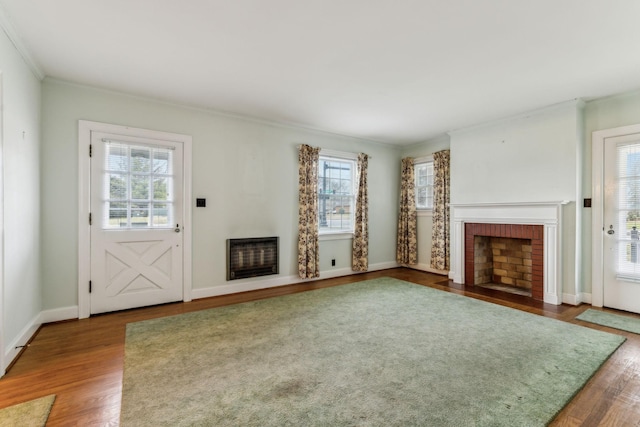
(417, 161)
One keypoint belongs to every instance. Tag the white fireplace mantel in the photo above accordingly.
(548, 214)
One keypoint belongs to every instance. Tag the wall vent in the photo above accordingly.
(252, 257)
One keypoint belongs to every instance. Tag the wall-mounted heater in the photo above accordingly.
(252, 257)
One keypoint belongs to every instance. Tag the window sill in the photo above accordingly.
(335, 236)
(425, 212)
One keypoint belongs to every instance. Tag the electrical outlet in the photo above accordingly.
(333, 262)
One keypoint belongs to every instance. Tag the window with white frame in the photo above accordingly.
(336, 192)
(423, 175)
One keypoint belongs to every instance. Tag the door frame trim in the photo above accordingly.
(84, 204)
(598, 140)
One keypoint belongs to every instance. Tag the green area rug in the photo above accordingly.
(381, 352)
(33, 413)
(616, 321)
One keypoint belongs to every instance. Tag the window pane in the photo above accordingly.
(117, 186)
(140, 159)
(117, 158)
(139, 214)
(421, 197)
(140, 187)
(118, 214)
(161, 215)
(334, 186)
(424, 185)
(161, 162)
(160, 188)
(421, 174)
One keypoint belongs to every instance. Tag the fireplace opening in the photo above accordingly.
(506, 257)
(252, 257)
(503, 264)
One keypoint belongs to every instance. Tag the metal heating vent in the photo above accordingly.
(252, 257)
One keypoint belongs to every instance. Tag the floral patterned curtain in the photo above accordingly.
(407, 247)
(360, 254)
(308, 254)
(440, 231)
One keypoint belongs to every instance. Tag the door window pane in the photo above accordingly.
(628, 235)
(135, 177)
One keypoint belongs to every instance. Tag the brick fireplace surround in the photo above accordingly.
(534, 233)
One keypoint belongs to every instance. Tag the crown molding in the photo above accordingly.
(222, 113)
(14, 37)
(577, 104)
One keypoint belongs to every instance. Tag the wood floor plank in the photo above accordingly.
(81, 361)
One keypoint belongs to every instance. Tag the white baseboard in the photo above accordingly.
(585, 297)
(570, 299)
(14, 347)
(255, 284)
(59, 314)
(578, 299)
(428, 269)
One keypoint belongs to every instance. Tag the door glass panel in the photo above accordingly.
(140, 159)
(628, 212)
(135, 177)
(160, 188)
(161, 163)
(140, 187)
(161, 214)
(118, 186)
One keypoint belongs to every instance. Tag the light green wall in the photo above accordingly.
(605, 113)
(21, 186)
(259, 196)
(526, 159)
(246, 169)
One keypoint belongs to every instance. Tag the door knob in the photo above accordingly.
(610, 230)
(177, 229)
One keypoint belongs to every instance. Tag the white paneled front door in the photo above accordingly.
(136, 222)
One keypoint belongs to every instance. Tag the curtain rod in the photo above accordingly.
(336, 153)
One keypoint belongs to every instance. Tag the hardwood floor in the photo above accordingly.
(81, 361)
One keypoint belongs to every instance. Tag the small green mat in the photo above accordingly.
(33, 413)
(616, 321)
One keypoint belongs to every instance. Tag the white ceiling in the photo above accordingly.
(396, 71)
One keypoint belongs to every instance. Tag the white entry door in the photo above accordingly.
(621, 220)
(136, 222)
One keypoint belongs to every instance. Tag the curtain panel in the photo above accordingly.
(360, 253)
(308, 254)
(441, 194)
(407, 245)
